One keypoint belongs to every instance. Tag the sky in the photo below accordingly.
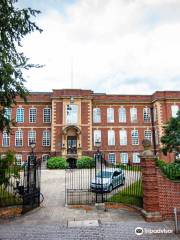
(110, 46)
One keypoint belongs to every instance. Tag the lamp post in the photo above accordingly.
(99, 159)
(31, 161)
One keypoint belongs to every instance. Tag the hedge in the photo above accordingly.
(86, 162)
(57, 163)
(171, 170)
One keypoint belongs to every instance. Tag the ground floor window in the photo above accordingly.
(136, 158)
(18, 159)
(124, 157)
(112, 158)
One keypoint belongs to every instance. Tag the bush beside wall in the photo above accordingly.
(57, 163)
(86, 162)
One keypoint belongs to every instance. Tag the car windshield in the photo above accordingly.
(104, 174)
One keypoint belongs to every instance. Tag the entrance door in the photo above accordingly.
(72, 145)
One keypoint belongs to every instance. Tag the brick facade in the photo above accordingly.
(82, 131)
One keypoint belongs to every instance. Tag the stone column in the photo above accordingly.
(151, 209)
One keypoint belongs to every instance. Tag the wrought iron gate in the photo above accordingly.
(104, 183)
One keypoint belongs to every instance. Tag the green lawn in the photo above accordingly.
(8, 199)
(130, 195)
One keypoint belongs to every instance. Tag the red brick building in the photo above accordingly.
(67, 122)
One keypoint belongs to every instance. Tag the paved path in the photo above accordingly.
(50, 221)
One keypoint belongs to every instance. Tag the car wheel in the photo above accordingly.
(110, 188)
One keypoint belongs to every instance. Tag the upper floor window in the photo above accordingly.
(32, 115)
(147, 114)
(31, 137)
(19, 138)
(110, 115)
(133, 113)
(47, 115)
(18, 158)
(97, 136)
(122, 114)
(155, 113)
(45, 157)
(72, 114)
(136, 158)
(7, 113)
(124, 157)
(148, 135)
(123, 137)
(20, 115)
(174, 110)
(112, 158)
(135, 137)
(111, 137)
(96, 115)
(5, 139)
(46, 139)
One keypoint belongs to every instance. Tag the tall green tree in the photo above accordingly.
(15, 24)
(171, 137)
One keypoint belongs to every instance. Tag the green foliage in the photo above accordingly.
(8, 169)
(131, 194)
(171, 137)
(15, 24)
(57, 163)
(128, 168)
(86, 162)
(8, 199)
(171, 170)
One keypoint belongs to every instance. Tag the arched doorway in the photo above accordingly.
(72, 162)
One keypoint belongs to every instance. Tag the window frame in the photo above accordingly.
(173, 114)
(147, 115)
(30, 137)
(133, 112)
(18, 159)
(45, 115)
(110, 115)
(94, 139)
(96, 119)
(19, 131)
(110, 154)
(111, 143)
(20, 115)
(122, 115)
(31, 117)
(45, 139)
(125, 154)
(145, 131)
(121, 140)
(71, 119)
(136, 154)
(5, 133)
(132, 137)
(9, 115)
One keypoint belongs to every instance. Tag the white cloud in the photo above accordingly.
(116, 46)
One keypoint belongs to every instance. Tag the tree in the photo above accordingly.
(171, 137)
(15, 24)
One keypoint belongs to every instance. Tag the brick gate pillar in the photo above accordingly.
(151, 209)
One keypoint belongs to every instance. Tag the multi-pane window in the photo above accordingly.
(135, 137)
(122, 114)
(123, 137)
(46, 140)
(110, 115)
(31, 137)
(18, 158)
(96, 115)
(155, 114)
(32, 115)
(148, 135)
(156, 137)
(7, 113)
(111, 137)
(72, 114)
(97, 136)
(47, 115)
(112, 158)
(19, 138)
(136, 158)
(174, 110)
(124, 157)
(45, 157)
(20, 115)
(133, 113)
(5, 139)
(147, 114)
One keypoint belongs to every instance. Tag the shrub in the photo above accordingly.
(171, 170)
(57, 162)
(86, 162)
